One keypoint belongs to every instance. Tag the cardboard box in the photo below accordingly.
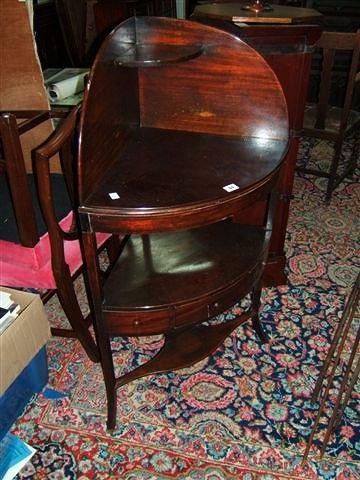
(31, 380)
(24, 338)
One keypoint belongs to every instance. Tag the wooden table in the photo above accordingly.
(170, 154)
(287, 48)
(279, 15)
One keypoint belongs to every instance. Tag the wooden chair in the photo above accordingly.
(34, 253)
(169, 168)
(335, 122)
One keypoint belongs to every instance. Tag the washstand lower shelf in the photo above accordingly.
(171, 283)
(169, 280)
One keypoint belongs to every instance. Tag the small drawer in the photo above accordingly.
(153, 322)
(232, 295)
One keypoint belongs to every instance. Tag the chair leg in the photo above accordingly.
(333, 170)
(70, 305)
(110, 383)
(67, 296)
(103, 338)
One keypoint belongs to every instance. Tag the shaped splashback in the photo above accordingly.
(178, 75)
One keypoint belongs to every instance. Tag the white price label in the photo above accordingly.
(114, 195)
(231, 187)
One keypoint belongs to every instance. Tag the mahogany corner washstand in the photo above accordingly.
(171, 150)
(285, 37)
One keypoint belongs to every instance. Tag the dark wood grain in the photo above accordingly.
(185, 347)
(167, 147)
(133, 97)
(226, 105)
(203, 165)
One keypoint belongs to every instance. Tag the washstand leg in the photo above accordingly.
(256, 296)
(111, 392)
(102, 336)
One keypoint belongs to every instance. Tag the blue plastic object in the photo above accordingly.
(14, 453)
(52, 394)
(31, 380)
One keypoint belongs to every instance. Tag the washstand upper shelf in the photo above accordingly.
(155, 55)
(150, 130)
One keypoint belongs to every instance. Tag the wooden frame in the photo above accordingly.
(334, 123)
(169, 169)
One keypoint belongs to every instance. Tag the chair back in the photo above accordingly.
(333, 122)
(330, 43)
(32, 204)
(14, 168)
(41, 249)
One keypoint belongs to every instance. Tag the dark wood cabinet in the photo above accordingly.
(49, 38)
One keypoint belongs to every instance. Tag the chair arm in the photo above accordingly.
(42, 156)
(58, 138)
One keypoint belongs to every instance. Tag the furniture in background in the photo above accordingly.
(287, 49)
(351, 368)
(166, 8)
(109, 13)
(68, 33)
(331, 118)
(33, 253)
(48, 34)
(64, 33)
(246, 3)
(170, 168)
(293, 3)
(72, 20)
(337, 16)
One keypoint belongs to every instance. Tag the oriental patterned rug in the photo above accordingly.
(242, 414)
